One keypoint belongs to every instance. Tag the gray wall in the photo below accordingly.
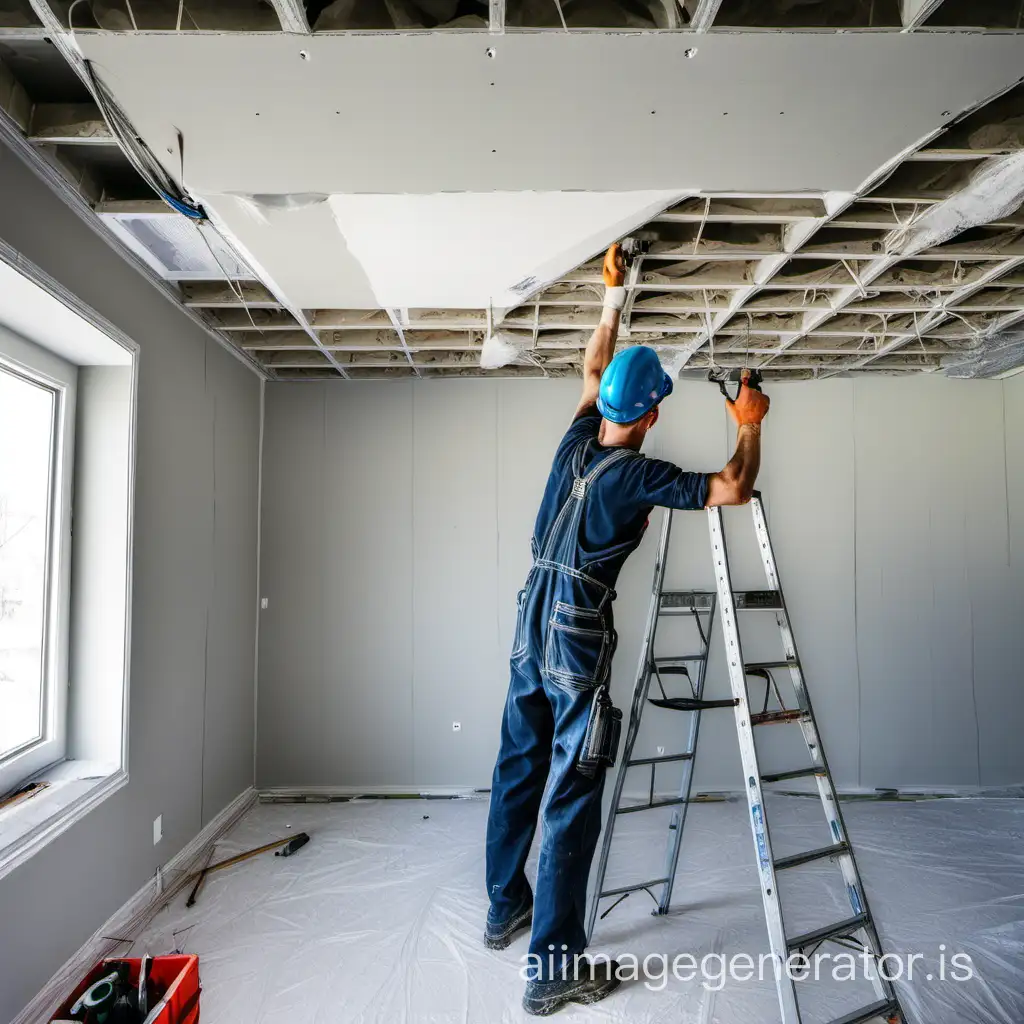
(193, 612)
(396, 521)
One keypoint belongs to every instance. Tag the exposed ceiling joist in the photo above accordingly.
(69, 124)
(292, 14)
(702, 14)
(496, 21)
(915, 12)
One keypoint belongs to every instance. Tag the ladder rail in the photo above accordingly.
(641, 686)
(686, 783)
(748, 754)
(855, 891)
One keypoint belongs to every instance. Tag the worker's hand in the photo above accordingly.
(751, 406)
(614, 269)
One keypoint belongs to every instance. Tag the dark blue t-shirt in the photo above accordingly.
(617, 509)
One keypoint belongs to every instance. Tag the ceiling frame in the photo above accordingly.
(803, 285)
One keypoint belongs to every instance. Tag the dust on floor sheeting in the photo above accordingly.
(379, 917)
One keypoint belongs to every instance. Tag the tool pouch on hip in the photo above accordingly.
(601, 741)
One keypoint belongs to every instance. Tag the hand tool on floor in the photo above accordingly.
(855, 932)
(288, 846)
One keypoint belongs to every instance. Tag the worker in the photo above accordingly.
(595, 509)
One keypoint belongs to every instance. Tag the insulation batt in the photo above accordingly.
(995, 190)
(997, 354)
(501, 349)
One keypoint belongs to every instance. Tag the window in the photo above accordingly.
(68, 381)
(34, 554)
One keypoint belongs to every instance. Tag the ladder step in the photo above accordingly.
(632, 888)
(690, 703)
(652, 806)
(676, 601)
(676, 666)
(830, 931)
(795, 773)
(884, 1009)
(810, 855)
(761, 666)
(660, 759)
(757, 600)
(778, 717)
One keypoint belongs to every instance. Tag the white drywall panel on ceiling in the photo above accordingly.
(896, 513)
(471, 249)
(452, 250)
(603, 112)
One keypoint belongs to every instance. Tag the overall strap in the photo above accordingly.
(565, 528)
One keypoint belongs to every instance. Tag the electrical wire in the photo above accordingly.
(138, 153)
(235, 287)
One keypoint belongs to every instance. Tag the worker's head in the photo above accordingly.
(632, 385)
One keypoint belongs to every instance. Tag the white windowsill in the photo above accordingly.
(76, 787)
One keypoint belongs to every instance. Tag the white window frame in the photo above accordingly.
(24, 359)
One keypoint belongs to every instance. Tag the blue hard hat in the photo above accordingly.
(632, 384)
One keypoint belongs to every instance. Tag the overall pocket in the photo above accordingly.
(577, 646)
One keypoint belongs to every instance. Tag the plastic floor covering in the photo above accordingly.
(379, 916)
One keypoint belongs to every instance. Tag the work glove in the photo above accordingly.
(751, 406)
(614, 274)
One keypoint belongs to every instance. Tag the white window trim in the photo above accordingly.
(67, 813)
(26, 360)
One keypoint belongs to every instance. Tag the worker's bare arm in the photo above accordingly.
(598, 355)
(734, 485)
(601, 346)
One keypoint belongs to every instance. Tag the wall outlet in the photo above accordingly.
(264, 603)
(158, 829)
(456, 726)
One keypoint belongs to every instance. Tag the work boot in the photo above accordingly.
(592, 983)
(499, 935)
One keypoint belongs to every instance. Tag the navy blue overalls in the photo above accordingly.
(593, 515)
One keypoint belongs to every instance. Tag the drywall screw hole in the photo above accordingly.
(690, 52)
(303, 54)
(945, 113)
(491, 52)
(494, 151)
(653, 111)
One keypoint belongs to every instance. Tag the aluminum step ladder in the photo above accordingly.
(857, 931)
(691, 667)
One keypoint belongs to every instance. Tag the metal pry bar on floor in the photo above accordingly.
(858, 928)
(288, 846)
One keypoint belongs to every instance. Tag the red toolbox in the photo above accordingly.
(173, 988)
